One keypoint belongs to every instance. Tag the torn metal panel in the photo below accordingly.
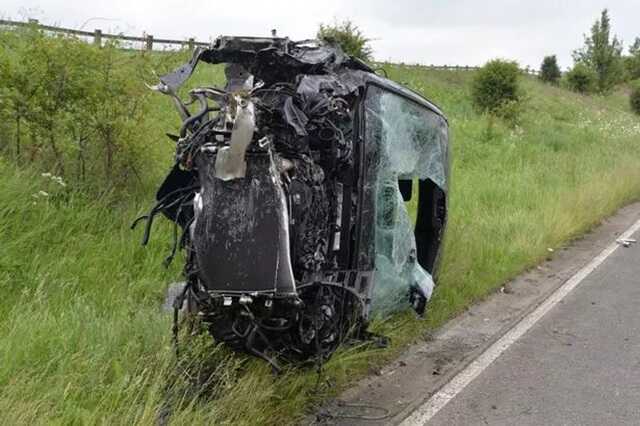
(289, 186)
(230, 160)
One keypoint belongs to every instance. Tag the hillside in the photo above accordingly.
(83, 339)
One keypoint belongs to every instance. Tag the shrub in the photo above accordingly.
(73, 109)
(633, 60)
(348, 36)
(634, 98)
(581, 79)
(549, 70)
(632, 65)
(496, 90)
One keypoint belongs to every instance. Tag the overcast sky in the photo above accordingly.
(454, 32)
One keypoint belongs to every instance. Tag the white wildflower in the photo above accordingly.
(59, 181)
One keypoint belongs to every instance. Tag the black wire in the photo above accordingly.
(152, 214)
(159, 206)
(252, 349)
(167, 261)
(191, 120)
(159, 203)
(195, 140)
(185, 232)
(275, 328)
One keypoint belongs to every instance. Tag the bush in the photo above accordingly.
(581, 79)
(632, 65)
(348, 36)
(496, 90)
(549, 70)
(634, 98)
(633, 60)
(73, 109)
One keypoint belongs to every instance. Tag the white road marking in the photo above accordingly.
(430, 408)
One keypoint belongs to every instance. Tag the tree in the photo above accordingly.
(348, 36)
(634, 98)
(602, 53)
(634, 49)
(633, 60)
(581, 79)
(549, 70)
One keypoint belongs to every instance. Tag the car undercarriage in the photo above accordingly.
(289, 188)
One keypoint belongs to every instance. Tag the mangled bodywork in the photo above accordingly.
(290, 187)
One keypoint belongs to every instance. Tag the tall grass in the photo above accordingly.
(83, 339)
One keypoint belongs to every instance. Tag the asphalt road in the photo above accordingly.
(559, 344)
(578, 365)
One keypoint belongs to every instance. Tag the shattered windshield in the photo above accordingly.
(412, 138)
(411, 142)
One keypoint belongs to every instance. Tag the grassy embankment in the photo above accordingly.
(82, 337)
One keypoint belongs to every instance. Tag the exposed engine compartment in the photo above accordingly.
(289, 186)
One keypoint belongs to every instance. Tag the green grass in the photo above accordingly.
(82, 336)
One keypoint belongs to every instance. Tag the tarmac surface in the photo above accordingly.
(578, 364)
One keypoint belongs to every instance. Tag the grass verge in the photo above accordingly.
(82, 336)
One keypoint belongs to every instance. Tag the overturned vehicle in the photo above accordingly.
(290, 186)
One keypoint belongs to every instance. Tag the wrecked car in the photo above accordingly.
(289, 188)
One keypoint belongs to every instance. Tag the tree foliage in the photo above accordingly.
(549, 70)
(348, 36)
(632, 61)
(602, 52)
(581, 79)
(634, 98)
(496, 89)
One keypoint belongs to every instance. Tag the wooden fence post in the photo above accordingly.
(149, 42)
(97, 37)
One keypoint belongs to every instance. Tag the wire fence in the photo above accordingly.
(527, 70)
(149, 42)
